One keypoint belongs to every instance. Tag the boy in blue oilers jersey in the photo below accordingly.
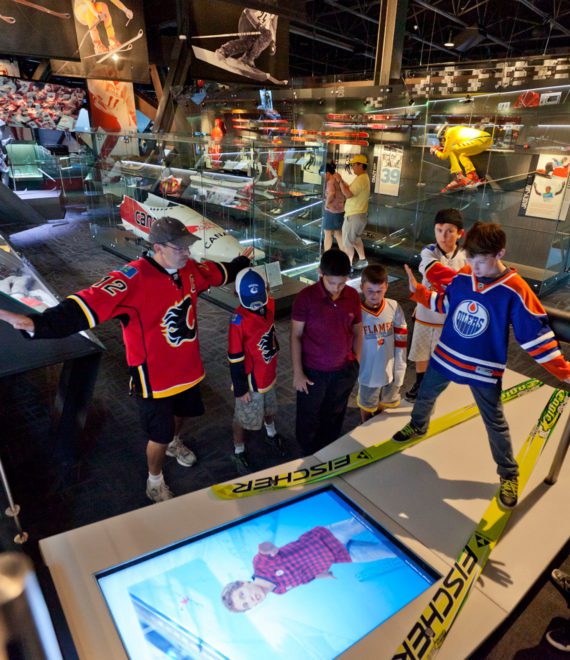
(482, 301)
(252, 354)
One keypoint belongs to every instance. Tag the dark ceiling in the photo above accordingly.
(338, 37)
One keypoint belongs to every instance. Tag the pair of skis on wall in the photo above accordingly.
(428, 633)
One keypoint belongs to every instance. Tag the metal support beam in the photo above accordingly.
(390, 43)
(178, 68)
(43, 71)
(545, 17)
(459, 21)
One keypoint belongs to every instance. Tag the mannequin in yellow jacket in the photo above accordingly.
(457, 144)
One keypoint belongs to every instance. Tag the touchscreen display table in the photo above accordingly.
(307, 578)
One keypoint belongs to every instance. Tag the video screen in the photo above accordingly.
(305, 579)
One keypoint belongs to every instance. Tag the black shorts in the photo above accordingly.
(157, 415)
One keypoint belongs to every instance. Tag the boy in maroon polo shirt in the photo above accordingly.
(326, 338)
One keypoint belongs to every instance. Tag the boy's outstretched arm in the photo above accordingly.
(412, 282)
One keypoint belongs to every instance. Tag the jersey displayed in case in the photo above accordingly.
(157, 312)
(385, 334)
(472, 348)
(431, 257)
(252, 349)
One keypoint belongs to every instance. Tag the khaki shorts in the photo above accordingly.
(353, 227)
(250, 415)
(424, 340)
(370, 397)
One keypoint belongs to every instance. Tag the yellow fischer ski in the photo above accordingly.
(429, 632)
(361, 457)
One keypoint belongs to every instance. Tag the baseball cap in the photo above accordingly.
(359, 158)
(251, 289)
(170, 230)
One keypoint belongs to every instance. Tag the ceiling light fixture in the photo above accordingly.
(450, 43)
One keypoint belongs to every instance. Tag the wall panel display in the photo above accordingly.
(237, 44)
(112, 110)
(28, 28)
(546, 187)
(111, 39)
(387, 169)
(39, 105)
(9, 68)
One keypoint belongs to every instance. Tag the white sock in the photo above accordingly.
(155, 479)
(270, 428)
(239, 449)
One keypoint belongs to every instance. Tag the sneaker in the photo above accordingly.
(561, 580)
(409, 432)
(361, 263)
(473, 179)
(459, 181)
(509, 492)
(184, 456)
(275, 442)
(241, 463)
(159, 493)
(559, 638)
(412, 394)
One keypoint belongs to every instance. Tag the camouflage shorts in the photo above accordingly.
(250, 415)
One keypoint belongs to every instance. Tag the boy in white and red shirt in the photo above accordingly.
(252, 354)
(384, 344)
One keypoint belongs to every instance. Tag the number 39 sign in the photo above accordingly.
(387, 169)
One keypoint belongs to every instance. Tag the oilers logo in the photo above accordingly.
(178, 324)
(268, 345)
(470, 319)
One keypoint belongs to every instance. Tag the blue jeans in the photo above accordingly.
(488, 399)
(359, 551)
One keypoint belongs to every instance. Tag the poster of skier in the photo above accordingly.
(111, 39)
(232, 43)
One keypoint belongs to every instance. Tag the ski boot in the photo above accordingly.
(473, 179)
(459, 181)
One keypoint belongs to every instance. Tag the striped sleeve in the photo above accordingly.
(400, 345)
(437, 302)
(532, 331)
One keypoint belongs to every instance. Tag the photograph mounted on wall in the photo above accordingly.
(111, 39)
(239, 44)
(28, 28)
(39, 105)
(546, 187)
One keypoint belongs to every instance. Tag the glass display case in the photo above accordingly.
(523, 176)
(229, 193)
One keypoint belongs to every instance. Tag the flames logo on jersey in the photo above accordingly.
(268, 345)
(178, 324)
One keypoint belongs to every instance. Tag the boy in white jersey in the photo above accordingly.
(448, 226)
(383, 358)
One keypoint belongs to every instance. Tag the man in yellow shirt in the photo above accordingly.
(355, 209)
(457, 144)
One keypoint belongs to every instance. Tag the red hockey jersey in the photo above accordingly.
(157, 312)
(252, 349)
